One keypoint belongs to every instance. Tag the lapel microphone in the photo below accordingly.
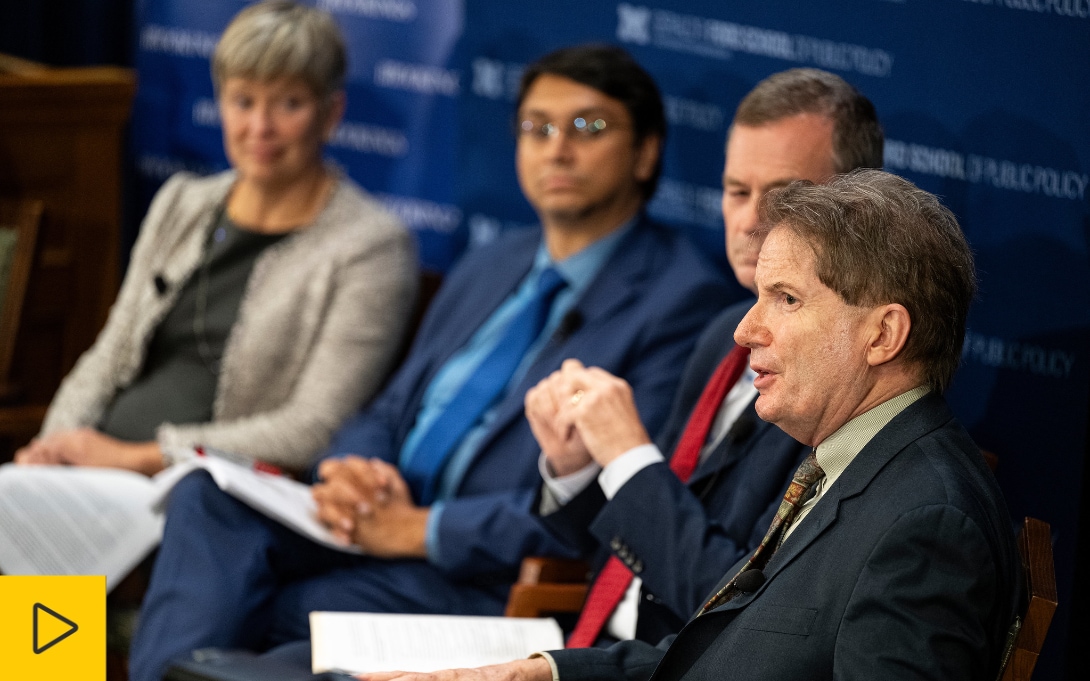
(739, 432)
(569, 324)
(161, 285)
(749, 581)
(742, 428)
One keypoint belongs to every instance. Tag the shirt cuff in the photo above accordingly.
(620, 470)
(431, 532)
(564, 488)
(552, 663)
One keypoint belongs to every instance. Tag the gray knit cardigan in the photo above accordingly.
(318, 328)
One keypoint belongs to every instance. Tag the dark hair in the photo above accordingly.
(613, 72)
(879, 239)
(857, 135)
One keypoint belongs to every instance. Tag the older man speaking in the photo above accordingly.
(892, 555)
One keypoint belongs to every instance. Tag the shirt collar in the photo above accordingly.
(840, 449)
(579, 269)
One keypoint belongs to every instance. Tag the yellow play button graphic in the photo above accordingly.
(53, 628)
(46, 632)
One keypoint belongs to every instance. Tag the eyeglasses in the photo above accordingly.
(580, 129)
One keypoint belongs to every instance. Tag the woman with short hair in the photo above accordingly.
(263, 304)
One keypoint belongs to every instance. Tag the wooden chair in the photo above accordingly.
(1028, 632)
(18, 235)
(548, 586)
(62, 133)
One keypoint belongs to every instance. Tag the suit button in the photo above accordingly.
(637, 567)
(615, 543)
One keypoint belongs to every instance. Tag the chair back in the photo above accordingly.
(1027, 635)
(548, 587)
(18, 234)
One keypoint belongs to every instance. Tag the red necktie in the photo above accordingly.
(611, 583)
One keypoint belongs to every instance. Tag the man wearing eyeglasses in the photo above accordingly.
(660, 531)
(435, 480)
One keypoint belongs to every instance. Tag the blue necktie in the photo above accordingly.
(481, 390)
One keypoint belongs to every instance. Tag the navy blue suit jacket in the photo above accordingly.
(679, 538)
(906, 568)
(638, 319)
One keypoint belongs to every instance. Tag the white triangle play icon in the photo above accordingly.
(52, 628)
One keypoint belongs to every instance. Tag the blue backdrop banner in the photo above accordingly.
(983, 102)
(398, 135)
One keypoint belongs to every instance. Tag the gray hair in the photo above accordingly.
(857, 135)
(879, 239)
(281, 39)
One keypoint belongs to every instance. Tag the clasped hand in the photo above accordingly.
(367, 502)
(581, 414)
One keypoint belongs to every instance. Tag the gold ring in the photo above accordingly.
(576, 396)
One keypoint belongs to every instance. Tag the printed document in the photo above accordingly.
(369, 642)
(67, 520)
(59, 520)
(284, 500)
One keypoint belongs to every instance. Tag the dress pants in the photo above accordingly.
(228, 577)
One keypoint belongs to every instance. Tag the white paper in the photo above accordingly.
(368, 642)
(284, 500)
(69, 520)
(60, 520)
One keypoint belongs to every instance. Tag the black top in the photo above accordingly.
(181, 370)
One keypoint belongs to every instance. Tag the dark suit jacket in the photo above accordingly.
(677, 538)
(639, 319)
(905, 569)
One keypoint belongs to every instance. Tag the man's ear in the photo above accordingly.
(889, 326)
(647, 156)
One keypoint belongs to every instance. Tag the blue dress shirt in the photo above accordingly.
(578, 270)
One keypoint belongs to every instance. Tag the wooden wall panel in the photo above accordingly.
(61, 141)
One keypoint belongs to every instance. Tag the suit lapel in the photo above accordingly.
(615, 286)
(495, 285)
(924, 415)
(726, 454)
